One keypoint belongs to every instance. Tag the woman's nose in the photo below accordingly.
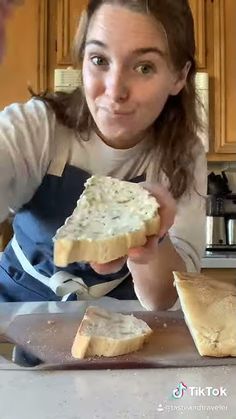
(117, 86)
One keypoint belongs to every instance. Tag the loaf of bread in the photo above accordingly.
(109, 334)
(209, 307)
(111, 217)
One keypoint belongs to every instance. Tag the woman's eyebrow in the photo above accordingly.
(96, 42)
(138, 51)
(155, 50)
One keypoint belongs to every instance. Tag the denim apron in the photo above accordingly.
(27, 271)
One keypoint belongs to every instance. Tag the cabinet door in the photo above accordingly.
(68, 13)
(198, 8)
(25, 62)
(222, 68)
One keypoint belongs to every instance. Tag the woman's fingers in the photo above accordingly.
(143, 254)
(167, 210)
(110, 267)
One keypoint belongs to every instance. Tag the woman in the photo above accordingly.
(134, 119)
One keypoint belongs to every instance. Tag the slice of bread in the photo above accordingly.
(109, 334)
(111, 217)
(209, 307)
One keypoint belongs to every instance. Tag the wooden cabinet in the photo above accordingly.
(221, 65)
(198, 8)
(25, 60)
(68, 13)
(215, 33)
(64, 17)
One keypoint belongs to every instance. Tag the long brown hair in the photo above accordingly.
(177, 125)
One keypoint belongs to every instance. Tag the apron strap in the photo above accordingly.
(62, 283)
(61, 152)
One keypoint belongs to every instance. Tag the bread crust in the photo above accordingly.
(209, 307)
(67, 251)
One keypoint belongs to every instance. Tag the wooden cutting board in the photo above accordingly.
(50, 336)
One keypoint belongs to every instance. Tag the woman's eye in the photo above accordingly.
(145, 69)
(98, 61)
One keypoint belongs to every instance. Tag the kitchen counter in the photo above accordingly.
(219, 260)
(124, 394)
(107, 394)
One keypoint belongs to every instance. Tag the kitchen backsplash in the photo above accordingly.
(230, 171)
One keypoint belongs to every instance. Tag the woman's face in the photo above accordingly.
(126, 75)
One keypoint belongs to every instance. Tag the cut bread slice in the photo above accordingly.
(209, 307)
(111, 217)
(109, 334)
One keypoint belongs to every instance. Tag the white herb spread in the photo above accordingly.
(109, 207)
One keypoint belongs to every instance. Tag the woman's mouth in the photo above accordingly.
(117, 112)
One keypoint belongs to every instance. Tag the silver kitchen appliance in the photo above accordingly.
(215, 232)
(231, 231)
(221, 222)
(220, 214)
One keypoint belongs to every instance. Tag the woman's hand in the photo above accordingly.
(167, 210)
(144, 254)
